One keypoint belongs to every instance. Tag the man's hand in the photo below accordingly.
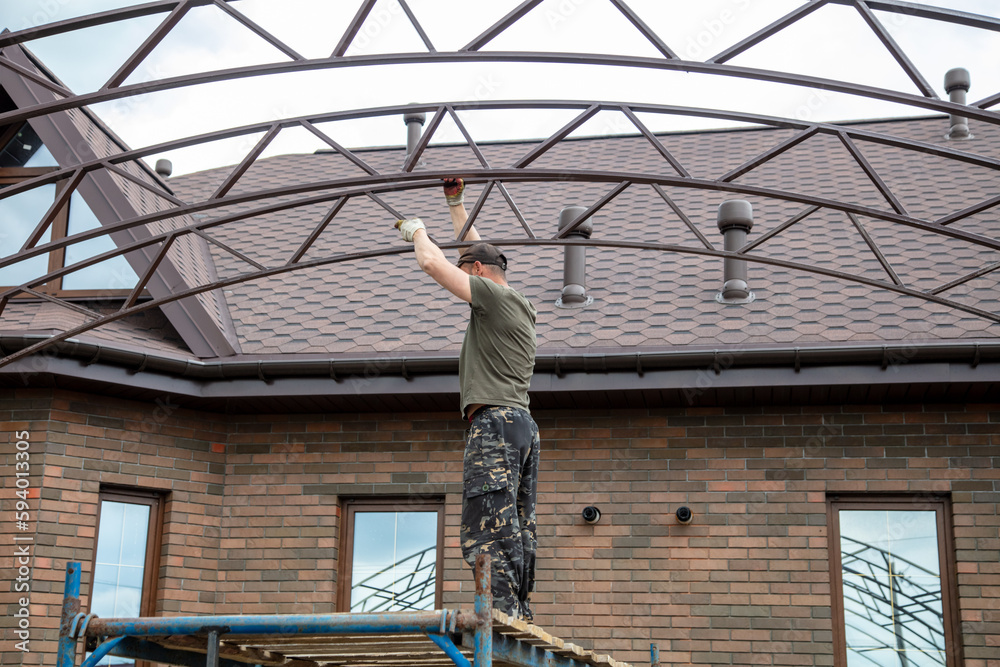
(409, 227)
(454, 191)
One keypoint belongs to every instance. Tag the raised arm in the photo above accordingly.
(432, 260)
(454, 193)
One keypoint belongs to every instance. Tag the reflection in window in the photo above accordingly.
(394, 557)
(891, 584)
(121, 560)
(26, 150)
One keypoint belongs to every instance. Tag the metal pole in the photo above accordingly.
(414, 127)
(292, 624)
(735, 219)
(445, 644)
(66, 656)
(483, 656)
(654, 655)
(956, 84)
(574, 291)
(101, 651)
(212, 649)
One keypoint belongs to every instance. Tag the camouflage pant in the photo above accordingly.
(498, 502)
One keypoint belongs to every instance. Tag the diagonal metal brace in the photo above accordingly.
(102, 651)
(445, 643)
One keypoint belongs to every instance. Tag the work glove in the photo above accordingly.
(409, 227)
(454, 191)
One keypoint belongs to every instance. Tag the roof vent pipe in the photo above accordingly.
(414, 125)
(956, 83)
(574, 291)
(164, 167)
(735, 221)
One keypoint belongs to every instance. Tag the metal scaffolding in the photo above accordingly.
(388, 639)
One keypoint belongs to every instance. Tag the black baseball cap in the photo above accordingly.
(483, 253)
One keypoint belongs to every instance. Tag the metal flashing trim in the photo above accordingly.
(554, 371)
(749, 298)
(574, 305)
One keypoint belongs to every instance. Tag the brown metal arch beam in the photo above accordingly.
(92, 20)
(248, 277)
(163, 6)
(425, 179)
(695, 67)
(930, 12)
(306, 121)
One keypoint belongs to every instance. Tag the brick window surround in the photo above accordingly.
(893, 589)
(351, 509)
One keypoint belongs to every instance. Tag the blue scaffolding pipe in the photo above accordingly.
(102, 651)
(513, 651)
(484, 612)
(66, 656)
(449, 648)
(291, 624)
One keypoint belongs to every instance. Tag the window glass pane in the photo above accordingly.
(133, 551)
(121, 554)
(914, 541)
(20, 214)
(42, 158)
(114, 273)
(109, 545)
(394, 561)
(120, 563)
(26, 150)
(890, 568)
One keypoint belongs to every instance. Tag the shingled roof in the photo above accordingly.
(279, 283)
(643, 299)
(382, 323)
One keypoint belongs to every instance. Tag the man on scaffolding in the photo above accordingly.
(502, 444)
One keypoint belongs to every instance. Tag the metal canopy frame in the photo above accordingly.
(58, 100)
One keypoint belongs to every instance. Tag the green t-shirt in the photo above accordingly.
(498, 353)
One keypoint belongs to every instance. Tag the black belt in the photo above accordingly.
(480, 409)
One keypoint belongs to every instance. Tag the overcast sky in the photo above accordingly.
(832, 42)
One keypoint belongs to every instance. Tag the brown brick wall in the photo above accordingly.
(80, 442)
(747, 582)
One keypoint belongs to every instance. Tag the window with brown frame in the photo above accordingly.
(24, 157)
(893, 573)
(391, 554)
(126, 556)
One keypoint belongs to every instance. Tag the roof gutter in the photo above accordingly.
(559, 363)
